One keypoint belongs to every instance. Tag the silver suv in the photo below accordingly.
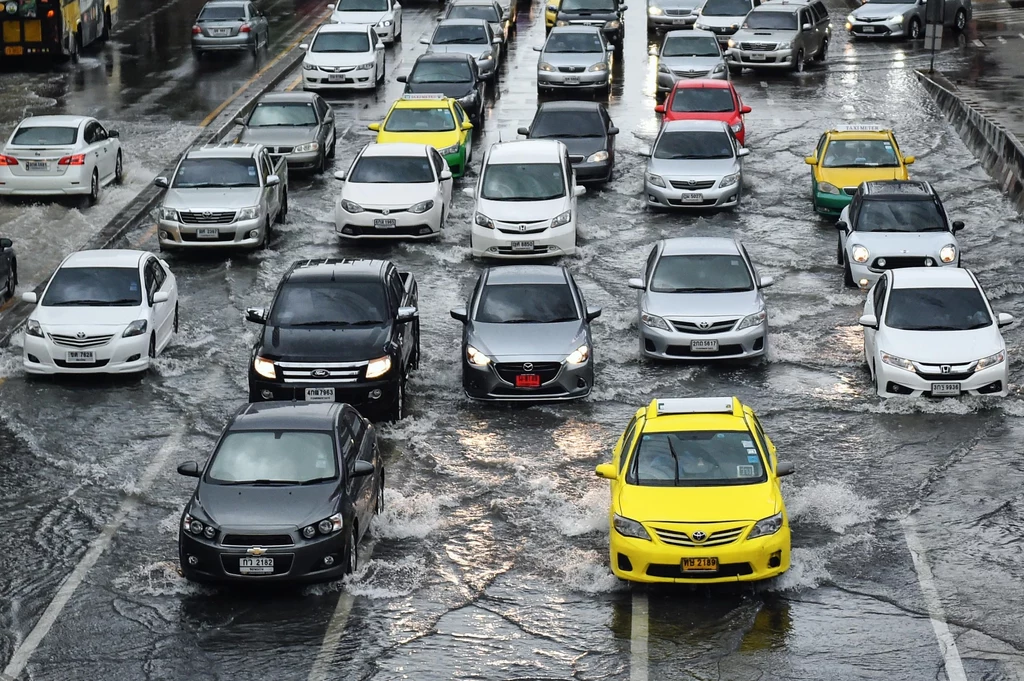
(781, 34)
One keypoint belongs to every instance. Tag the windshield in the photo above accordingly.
(274, 457)
(782, 21)
(441, 72)
(588, 6)
(94, 287)
(562, 124)
(900, 216)
(701, 273)
(690, 46)
(574, 41)
(216, 172)
(45, 137)
(707, 99)
(698, 144)
(352, 303)
(696, 459)
(460, 34)
(523, 182)
(420, 120)
(936, 309)
(726, 8)
(298, 114)
(485, 12)
(222, 13)
(347, 42)
(860, 154)
(526, 304)
(388, 169)
(362, 6)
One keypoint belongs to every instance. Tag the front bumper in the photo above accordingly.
(593, 172)
(745, 344)
(668, 22)
(586, 80)
(457, 162)
(353, 80)
(895, 381)
(666, 81)
(877, 29)
(41, 356)
(301, 562)
(236, 43)
(407, 225)
(866, 274)
(551, 242)
(669, 197)
(831, 204)
(175, 235)
(75, 180)
(774, 59)
(559, 381)
(371, 398)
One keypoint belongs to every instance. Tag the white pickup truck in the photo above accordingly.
(223, 195)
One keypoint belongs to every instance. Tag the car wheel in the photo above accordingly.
(379, 507)
(734, 70)
(76, 47)
(9, 286)
(119, 169)
(839, 254)
(321, 166)
(94, 188)
(175, 318)
(380, 74)
(914, 29)
(351, 556)
(197, 54)
(798, 64)
(848, 274)
(415, 364)
(823, 52)
(282, 215)
(152, 346)
(960, 21)
(265, 242)
(332, 150)
(397, 411)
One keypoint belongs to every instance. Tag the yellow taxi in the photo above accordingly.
(551, 13)
(696, 495)
(848, 155)
(430, 119)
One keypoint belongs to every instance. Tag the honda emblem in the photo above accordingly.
(522, 228)
(945, 368)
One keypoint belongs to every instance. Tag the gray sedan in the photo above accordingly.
(574, 58)
(668, 14)
(527, 336)
(229, 25)
(689, 54)
(297, 125)
(468, 36)
(695, 164)
(488, 10)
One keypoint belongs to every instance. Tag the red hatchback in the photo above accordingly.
(705, 99)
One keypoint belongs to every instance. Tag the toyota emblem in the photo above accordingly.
(319, 373)
(698, 536)
(527, 366)
(704, 324)
(945, 368)
(207, 213)
(691, 182)
(386, 211)
(522, 228)
(80, 334)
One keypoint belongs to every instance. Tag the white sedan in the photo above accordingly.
(931, 331)
(394, 191)
(104, 311)
(349, 56)
(60, 155)
(384, 15)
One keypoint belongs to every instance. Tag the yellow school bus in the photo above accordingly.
(53, 28)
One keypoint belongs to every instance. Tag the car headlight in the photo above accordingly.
(729, 180)
(264, 367)
(32, 328)
(384, 23)
(579, 355)
(629, 528)
(736, 127)
(486, 56)
(169, 214)
(546, 67)
(196, 527)
(766, 526)
(308, 67)
(476, 357)
(308, 146)
(422, 207)
(898, 362)
(325, 526)
(562, 219)
(365, 67)
(448, 151)
(827, 188)
(991, 360)
(662, 68)
(860, 254)
(250, 213)
(561, 22)
(378, 367)
(351, 207)
(752, 320)
(655, 11)
(655, 180)
(947, 253)
(483, 221)
(468, 99)
(597, 157)
(784, 45)
(731, 43)
(136, 328)
(719, 68)
(654, 321)
(897, 18)
(850, 18)
(613, 24)
(599, 66)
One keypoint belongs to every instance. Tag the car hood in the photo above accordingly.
(522, 211)
(729, 117)
(74, 319)
(212, 198)
(601, 15)
(901, 243)
(730, 304)
(941, 347)
(338, 58)
(524, 342)
(676, 4)
(763, 35)
(698, 504)
(676, 168)
(278, 136)
(852, 177)
(241, 507)
(456, 90)
(720, 22)
(475, 51)
(387, 195)
(879, 10)
(578, 146)
(699, 64)
(584, 59)
(343, 344)
(357, 17)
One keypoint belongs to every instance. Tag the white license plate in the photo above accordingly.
(256, 566)
(571, 80)
(220, 31)
(757, 56)
(319, 394)
(868, 29)
(945, 389)
(704, 345)
(680, 21)
(336, 78)
(522, 245)
(691, 198)
(80, 357)
(37, 165)
(384, 224)
(207, 233)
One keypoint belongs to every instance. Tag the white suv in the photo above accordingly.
(525, 201)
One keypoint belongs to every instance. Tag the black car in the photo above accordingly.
(606, 14)
(286, 496)
(338, 330)
(8, 268)
(452, 74)
(585, 129)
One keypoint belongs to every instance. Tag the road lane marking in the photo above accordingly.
(294, 84)
(25, 650)
(1021, 36)
(978, 43)
(9, 303)
(1001, 39)
(639, 630)
(947, 644)
(764, 83)
(145, 237)
(323, 666)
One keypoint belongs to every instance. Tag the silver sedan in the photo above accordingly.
(574, 58)
(695, 164)
(689, 54)
(296, 125)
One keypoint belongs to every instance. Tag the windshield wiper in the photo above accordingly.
(262, 482)
(688, 290)
(332, 322)
(556, 320)
(935, 327)
(316, 481)
(675, 457)
(521, 321)
(96, 303)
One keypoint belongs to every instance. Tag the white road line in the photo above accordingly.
(770, 101)
(99, 545)
(978, 43)
(1001, 39)
(638, 659)
(764, 83)
(323, 666)
(1021, 36)
(947, 644)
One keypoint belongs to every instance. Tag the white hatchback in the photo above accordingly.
(60, 155)
(931, 331)
(349, 56)
(384, 15)
(103, 311)
(525, 201)
(394, 191)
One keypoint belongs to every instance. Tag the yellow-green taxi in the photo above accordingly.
(551, 13)
(696, 496)
(848, 155)
(430, 119)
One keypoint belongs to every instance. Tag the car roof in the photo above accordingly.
(780, 7)
(526, 151)
(328, 269)
(703, 82)
(41, 121)
(285, 416)
(695, 413)
(908, 189)
(304, 97)
(526, 274)
(225, 150)
(698, 32)
(343, 28)
(423, 101)
(115, 257)
(443, 56)
(462, 22)
(693, 124)
(932, 277)
(395, 149)
(570, 105)
(700, 245)
(575, 28)
(488, 3)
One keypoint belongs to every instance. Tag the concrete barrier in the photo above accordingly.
(999, 150)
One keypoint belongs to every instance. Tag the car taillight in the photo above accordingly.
(76, 160)
(244, 29)
(8, 160)
(196, 30)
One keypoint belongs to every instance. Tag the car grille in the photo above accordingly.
(692, 184)
(336, 69)
(76, 342)
(282, 565)
(758, 47)
(207, 217)
(865, 20)
(722, 30)
(546, 370)
(526, 394)
(279, 150)
(221, 236)
(537, 250)
(321, 372)
(677, 12)
(409, 230)
(587, 23)
(571, 69)
(719, 538)
(80, 365)
(528, 230)
(849, 191)
(257, 540)
(380, 211)
(957, 372)
(694, 327)
(675, 571)
(898, 262)
(691, 74)
(684, 351)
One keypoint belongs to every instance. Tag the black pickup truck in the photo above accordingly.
(338, 330)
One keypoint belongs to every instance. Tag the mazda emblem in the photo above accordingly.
(704, 324)
(386, 211)
(527, 366)
(945, 368)
(80, 334)
(320, 373)
(698, 536)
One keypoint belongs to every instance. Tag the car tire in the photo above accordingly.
(823, 52)
(321, 164)
(396, 412)
(351, 553)
(176, 319)
(839, 254)
(379, 506)
(848, 275)
(415, 363)
(379, 79)
(94, 188)
(734, 70)
(76, 46)
(282, 215)
(152, 346)
(119, 169)
(10, 285)
(197, 54)
(798, 63)
(332, 150)
(960, 20)
(265, 241)
(105, 33)
(914, 29)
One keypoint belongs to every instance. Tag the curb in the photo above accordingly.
(999, 150)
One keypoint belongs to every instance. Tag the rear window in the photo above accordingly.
(711, 100)
(526, 304)
(355, 303)
(485, 12)
(222, 13)
(49, 136)
(390, 169)
(195, 173)
(778, 21)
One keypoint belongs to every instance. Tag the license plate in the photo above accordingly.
(868, 29)
(256, 566)
(37, 165)
(220, 31)
(207, 233)
(528, 381)
(704, 345)
(945, 389)
(16, 51)
(691, 198)
(319, 394)
(384, 224)
(81, 357)
(336, 78)
(571, 80)
(757, 56)
(700, 564)
(522, 245)
(679, 21)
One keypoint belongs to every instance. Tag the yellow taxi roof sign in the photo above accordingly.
(860, 128)
(695, 405)
(421, 96)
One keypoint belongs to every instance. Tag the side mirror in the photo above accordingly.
(613, 130)
(113, 133)
(579, 191)
(240, 120)
(339, 175)
(909, 160)
(406, 314)
(659, 108)
(766, 282)
(869, 320)
(745, 109)
(644, 151)
(361, 469)
(957, 225)
(304, 46)
(785, 468)
(374, 126)
(623, 8)
(161, 297)
(805, 27)
(538, 48)
(636, 283)
(190, 468)
(30, 297)
(379, 46)
(743, 151)
(469, 191)
(1005, 319)
(402, 79)
(446, 174)
(6, 243)
(161, 182)
(606, 471)
(256, 315)
(842, 225)
(811, 160)
(424, 41)
(524, 131)
(273, 180)
(330, 6)
(466, 125)
(460, 314)
(593, 313)
(496, 41)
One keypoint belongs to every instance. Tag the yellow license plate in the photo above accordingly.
(14, 51)
(700, 564)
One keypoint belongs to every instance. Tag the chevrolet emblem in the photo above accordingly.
(256, 551)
